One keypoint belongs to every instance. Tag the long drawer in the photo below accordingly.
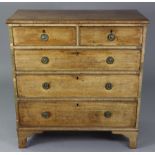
(44, 36)
(76, 60)
(77, 85)
(112, 36)
(77, 114)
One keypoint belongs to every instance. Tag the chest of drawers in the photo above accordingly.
(77, 71)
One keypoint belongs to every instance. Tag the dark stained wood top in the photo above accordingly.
(76, 16)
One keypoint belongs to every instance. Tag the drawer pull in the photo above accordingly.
(111, 36)
(44, 37)
(45, 114)
(108, 86)
(110, 60)
(45, 60)
(46, 85)
(107, 114)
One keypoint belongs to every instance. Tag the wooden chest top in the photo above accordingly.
(76, 16)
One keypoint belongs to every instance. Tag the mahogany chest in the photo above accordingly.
(77, 71)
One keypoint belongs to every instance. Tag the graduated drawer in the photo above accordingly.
(77, 114)
(77, 85)
(44, 36)
(76, 60)
(113, 36)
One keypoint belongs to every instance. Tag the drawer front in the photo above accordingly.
(76, 60)
(81, 114)
(113, 36)
(77, 85)
(53, 36)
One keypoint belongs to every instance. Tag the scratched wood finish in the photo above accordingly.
(97, 36)
(77, 85)
(74, 60)
(141, 75)
(77, 16)
(86, 114)
(32, 36)
(77, 71)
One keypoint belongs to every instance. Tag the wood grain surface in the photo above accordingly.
(77, 85)
(97, 36)
(32, 36)
(85, 114)
(77, 60)
(77, 16)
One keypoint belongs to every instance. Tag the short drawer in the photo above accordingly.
(77, 85)
(113, 36)
(44, 36)
(78, 114)
(77, 60)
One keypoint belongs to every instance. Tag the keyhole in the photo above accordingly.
(77, 77)
(110, 31)
(44, 31)
(77, 104)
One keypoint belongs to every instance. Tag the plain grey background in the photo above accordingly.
(76, 141)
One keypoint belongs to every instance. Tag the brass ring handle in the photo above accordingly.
(46, 85)
(110, 60)
(45, 114)
(44, 37)
(45, 60)
(108, 86)
(111, 36)
(107, 114)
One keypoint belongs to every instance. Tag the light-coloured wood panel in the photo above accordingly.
(57, 128)
(97, 36)
(14, 76)
(77, 16)
(57, 36)
(96, 99)
(77, 85)
(76, 72)
(141, 74)
(76, 47)
(75, 60)
(81, 114)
